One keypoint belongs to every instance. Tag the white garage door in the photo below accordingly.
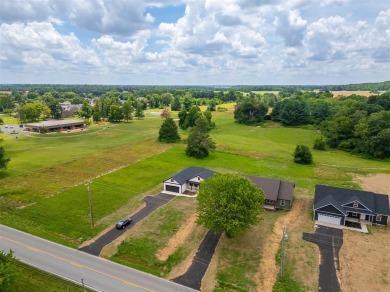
(329, 218)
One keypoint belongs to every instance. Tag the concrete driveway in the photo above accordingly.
(329, 240)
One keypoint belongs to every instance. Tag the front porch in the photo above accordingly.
(357, 220)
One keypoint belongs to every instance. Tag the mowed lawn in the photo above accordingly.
(43, 191)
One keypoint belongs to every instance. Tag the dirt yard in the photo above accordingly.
(378, 183)
(176, 240)
(365, 258)
(299, 254)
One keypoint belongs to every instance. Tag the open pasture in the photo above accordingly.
(43, 191)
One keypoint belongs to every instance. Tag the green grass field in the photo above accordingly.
(43, 190)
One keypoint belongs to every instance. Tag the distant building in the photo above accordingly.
(54, 125)
(68, 109)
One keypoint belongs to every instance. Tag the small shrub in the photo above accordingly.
(320, 143)
(302, 155)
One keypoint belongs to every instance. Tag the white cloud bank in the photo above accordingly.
(213, 42)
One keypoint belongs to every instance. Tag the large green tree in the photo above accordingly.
(199, 142)
(127, 110)
(168, 131)
(6, 101)
(86, 110)
(250, 111)
(115, 114)
(33, 111)
(229, 203)
(3, 160)
(176, 104)
(9, 271)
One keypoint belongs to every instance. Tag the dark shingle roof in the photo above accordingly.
(190, 172)
(325, 195)
(274, 189)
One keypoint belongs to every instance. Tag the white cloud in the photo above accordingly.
(214, 42)
(291, 26)
(333, 2)
(39, 46)
(22, 10)
(124, 17)
(123, 56)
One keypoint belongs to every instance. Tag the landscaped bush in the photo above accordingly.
(319, 143)
(302, 155)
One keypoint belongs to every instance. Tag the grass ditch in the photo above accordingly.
(34, 280)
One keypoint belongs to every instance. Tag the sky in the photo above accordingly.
(194, 42)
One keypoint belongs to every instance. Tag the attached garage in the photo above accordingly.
(174, 189)
(327, 218)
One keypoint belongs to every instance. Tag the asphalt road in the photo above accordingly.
(152, 203)
(194, 275)
(329, 240)
(98, 274)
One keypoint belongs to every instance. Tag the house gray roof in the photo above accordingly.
(190, 172)
(274, 189)
(325, 195)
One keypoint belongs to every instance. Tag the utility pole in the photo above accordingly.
(284, 238)
(90, 203)
(82, 283)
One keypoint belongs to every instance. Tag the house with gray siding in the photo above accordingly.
(278, 194)
(342, 206)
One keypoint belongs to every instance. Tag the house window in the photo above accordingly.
(282, 202)
(378, 217)
(355, 204)
(198, 177)
(172, 180)
(354, 214)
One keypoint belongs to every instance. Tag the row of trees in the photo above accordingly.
(354, 123)
(197, 91)
(199, 142)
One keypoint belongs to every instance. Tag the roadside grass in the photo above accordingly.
(151, 234)
(239, 257)
(34, 280)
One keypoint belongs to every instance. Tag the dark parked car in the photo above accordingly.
(123, 223)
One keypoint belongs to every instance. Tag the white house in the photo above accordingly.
(187, 179)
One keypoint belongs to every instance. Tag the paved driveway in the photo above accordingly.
(152, 203)
(193, 276)
(329, 240)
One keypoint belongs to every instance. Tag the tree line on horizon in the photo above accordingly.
(197, 91)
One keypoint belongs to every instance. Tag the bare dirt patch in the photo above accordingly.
(378, 183)
(297, 251)
(209, 281)
(176, 240)
(364, 260)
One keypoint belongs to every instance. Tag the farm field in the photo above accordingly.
(43, 192)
